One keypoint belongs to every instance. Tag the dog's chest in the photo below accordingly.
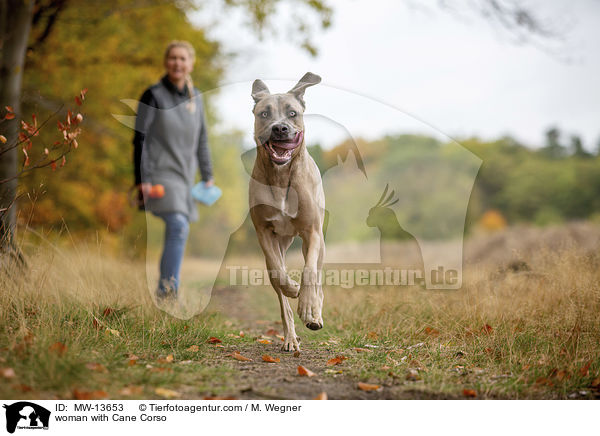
(281, 222)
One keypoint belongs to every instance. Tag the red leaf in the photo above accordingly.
(367, 386)
(584, 371)
(237, 356)
(305, 371)
(89, 395)
(78, 101)
(487, 329)
(213, 340)
(9, 116)
(270, 359)
(26, 157)
(321, 396)
(469, 393)
(58, 348)
(8, 108)
(336, 360)
(63, 161)
(431, 331)
(53, 165)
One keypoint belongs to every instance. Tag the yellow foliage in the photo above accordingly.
(492, 220)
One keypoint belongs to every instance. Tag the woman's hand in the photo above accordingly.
(145, 188)
(209, 183)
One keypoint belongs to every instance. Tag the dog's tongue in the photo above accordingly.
(287, 145)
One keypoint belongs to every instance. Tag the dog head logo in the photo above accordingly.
(26, 415)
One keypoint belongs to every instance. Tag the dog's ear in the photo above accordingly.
(259, 90)
(309, 79)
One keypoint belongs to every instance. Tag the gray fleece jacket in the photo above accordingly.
(170, 144)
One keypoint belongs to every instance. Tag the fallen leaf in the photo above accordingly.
(596, 382)
(132, 360)
(108, 311)
(213, 340)
(167, 393)
(363, 350)
(3, 139)
(242, 334)
(368, 387)
(469, 393)
(281, 338)
(271, 332)
(431, 331)
(23, 388)
(584, 371)
(131, 390)
(236, 355)
(193, 348)
(333, 371)
(544, 381)
(336, 360)
(89, 395)
(487, 329)
(112, 332)
(168, 359)
(305, 371)
(58, 348)
(270, 359)
(218, 397)
(321, 396)
(159, 369)
(296, 353)
(7, 372)
(98, 367)
(372, 335)
(264, 341)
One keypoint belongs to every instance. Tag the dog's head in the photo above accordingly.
(278, 123)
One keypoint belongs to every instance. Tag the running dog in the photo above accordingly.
(287, 200)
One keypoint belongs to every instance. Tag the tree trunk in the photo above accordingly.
(15, 25)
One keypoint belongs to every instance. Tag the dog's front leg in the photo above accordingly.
(310, 301)
(274, 248)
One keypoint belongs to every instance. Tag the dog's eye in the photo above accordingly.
(264, 114)
(292, 113)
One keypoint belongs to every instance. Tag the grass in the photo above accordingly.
(524, 334)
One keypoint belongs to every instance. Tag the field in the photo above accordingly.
(80, 324)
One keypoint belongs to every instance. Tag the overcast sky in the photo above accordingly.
(457, 76)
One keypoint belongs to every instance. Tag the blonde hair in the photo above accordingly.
(191, 106)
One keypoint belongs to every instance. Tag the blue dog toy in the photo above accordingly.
(206, 194)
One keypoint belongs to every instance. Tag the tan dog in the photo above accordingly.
(287, 200)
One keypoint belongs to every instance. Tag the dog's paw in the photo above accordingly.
(310, 303)
(291, 344)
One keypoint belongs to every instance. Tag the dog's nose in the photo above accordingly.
(280, 129)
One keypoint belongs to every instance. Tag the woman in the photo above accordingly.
(170, 143)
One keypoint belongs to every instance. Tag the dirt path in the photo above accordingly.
(261, 380)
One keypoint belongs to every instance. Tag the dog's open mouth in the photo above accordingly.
(280, 151)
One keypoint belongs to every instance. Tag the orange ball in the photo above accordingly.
(157, 191)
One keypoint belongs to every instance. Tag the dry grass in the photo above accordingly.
(512, 331)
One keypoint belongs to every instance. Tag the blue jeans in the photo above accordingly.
(177, 229)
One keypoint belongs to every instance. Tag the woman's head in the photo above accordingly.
(179, 60)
